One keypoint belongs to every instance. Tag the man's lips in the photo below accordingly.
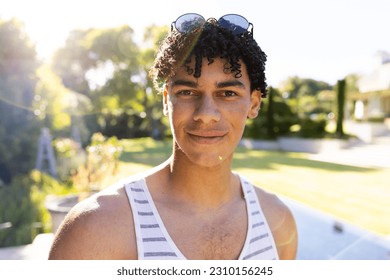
(208, 134)
(207, 137)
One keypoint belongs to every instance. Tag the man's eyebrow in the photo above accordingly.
(232, 83)
(193, 84)
(183, 83)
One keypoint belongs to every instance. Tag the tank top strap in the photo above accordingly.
(153, 240)
(260, 243)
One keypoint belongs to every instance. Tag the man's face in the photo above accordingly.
(208, 114)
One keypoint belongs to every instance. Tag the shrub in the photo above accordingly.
(311, 128)
(70, 156)
(283, 119)
(17, 207)
(22, 203)
(102, 159)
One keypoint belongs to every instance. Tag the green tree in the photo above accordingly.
(303, 94)
(296, 86)
(19, 128)
(341, 89)
(72, 61)
(58, 107)
(271, 113)
(152, 100)
(106, 65)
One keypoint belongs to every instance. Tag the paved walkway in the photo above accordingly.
(373, 155)
(322, 237)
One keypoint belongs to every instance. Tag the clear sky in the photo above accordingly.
(320, 39)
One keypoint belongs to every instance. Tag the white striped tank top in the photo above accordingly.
(154, 242)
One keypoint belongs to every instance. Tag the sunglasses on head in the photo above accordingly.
(235, 23)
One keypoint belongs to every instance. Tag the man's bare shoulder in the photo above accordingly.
(100, 227)
(281, 223)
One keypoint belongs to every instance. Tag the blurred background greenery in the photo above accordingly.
(96, 99)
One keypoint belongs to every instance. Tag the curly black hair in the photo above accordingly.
(210, 41)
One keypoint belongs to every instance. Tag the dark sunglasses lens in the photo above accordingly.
(235, 23)
(188, 22)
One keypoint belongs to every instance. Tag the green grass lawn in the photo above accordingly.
(360, 196)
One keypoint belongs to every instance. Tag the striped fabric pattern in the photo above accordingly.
(260, 244)
(154, 242)
(151, 241)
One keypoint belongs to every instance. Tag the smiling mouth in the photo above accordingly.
(207, 137)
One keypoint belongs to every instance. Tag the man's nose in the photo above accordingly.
(207, 110)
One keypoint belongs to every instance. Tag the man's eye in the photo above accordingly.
(185, 92)
(229, 93)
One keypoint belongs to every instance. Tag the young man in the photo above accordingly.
(192, 206)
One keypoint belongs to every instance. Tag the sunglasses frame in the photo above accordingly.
(198, 16)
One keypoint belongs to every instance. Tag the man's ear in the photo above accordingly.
(165, 100)
(255, 104)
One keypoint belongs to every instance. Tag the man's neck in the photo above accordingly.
(204, 186)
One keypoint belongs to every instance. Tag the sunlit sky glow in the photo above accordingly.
(323, 39)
